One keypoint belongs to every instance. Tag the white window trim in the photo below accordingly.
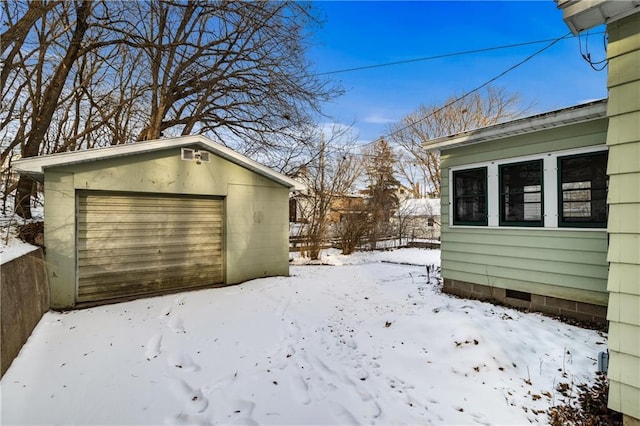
(549, 185)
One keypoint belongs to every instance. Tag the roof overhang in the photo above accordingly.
(580, 15)
(36, 166)
(548, 120)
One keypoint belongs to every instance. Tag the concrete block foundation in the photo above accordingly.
(533, 302)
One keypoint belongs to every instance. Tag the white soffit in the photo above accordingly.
(580, 15)
(572, 115)
(35, 166)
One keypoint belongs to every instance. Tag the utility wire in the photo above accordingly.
(596, 65)
(445, 55)
(486, 83)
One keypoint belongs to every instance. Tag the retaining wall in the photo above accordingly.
(24, 298)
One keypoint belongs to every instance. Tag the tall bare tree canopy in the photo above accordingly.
(421, 167)
(78, 74)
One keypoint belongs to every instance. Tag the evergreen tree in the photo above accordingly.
(382, 189)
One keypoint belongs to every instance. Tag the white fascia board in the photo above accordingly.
(548, 120)
(35, 166)
(586, 14)
(246, 162)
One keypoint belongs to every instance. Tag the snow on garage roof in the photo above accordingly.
(35, 166)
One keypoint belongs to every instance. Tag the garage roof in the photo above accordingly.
(35, 166)
(548, 120)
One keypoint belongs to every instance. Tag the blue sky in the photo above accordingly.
(363, 33)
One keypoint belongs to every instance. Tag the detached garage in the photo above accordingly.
(159, 216)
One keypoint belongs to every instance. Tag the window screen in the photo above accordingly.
(470, 197)
(583, 190)
(521, 194)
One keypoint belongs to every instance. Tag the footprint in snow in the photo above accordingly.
(242, 413)
(220, 383)
(194, 400)
(300, 389)
(343, 416)
(180, 300)
(176, 325)
(153, 347)
(244, 421)
(182, 361)
(165, 312)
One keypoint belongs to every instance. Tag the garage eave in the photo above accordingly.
(36, 166)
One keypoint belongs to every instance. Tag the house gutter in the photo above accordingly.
(548, 120)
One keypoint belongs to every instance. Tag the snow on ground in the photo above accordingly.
(10, 246)
(407, 256)
(361, 343)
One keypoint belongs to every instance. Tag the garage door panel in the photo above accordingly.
(170, 270)
(119, 286)
(139, 241)
(144, 257)
(129, 245)
(144, 217)
(96, 209)
(144, 229)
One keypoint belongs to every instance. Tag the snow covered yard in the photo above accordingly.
(361, 342)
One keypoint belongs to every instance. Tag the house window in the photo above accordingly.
(521, 194)
(582, 192)
(293, 210)
(470, 197)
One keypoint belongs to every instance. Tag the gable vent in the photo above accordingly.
(189, 154)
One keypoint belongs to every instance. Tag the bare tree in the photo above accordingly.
(331, 174)
(420, 166)
(21, 18)
(352, 229)
(404, 219)
(44, 106)
(234, 70)
(78, 74)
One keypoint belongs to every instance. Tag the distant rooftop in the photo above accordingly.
(420, 207)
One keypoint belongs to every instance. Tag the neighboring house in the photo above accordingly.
(346, 204)
(418, 218)
(301, 207)
(524, 212)
(622, 18)
(158, 216)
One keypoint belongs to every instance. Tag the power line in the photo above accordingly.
(486, 83)
(446, 55)
(596, 65)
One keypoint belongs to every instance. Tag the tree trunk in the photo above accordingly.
(25, 187)
(42, 117)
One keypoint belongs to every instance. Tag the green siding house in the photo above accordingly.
(622, 18)
(524, 212)
(158, 216)
(544, 212)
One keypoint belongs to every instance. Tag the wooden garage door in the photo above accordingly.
(130, 244)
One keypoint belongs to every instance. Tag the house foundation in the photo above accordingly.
(534, 302)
